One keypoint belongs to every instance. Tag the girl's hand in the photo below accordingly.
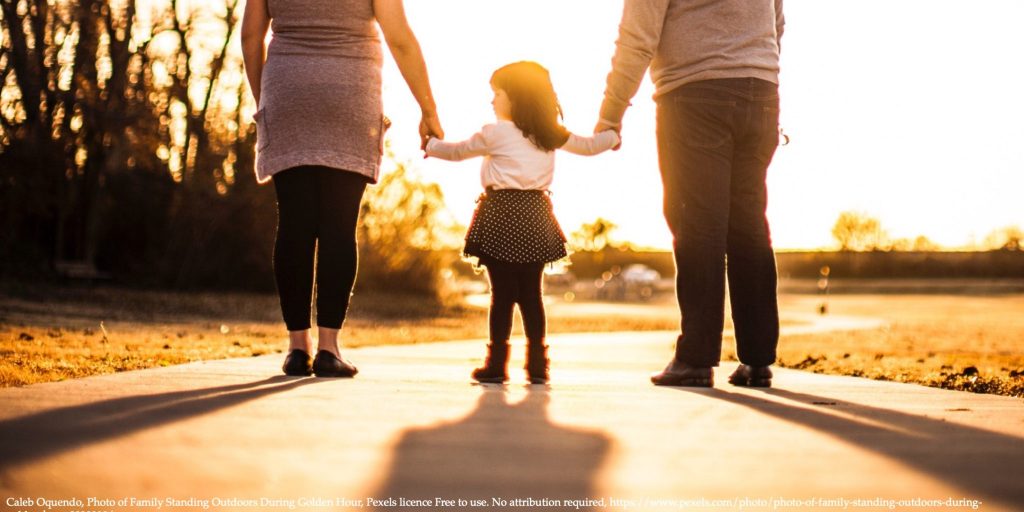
(604, 126)
(424, 144)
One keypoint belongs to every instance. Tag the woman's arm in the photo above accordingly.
(587, 146)
(406, 51)
(458, 151)
(255, 23)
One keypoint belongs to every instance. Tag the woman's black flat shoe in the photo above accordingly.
(327, 364)
(298, 364)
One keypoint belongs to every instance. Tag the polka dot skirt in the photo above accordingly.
(516, 226)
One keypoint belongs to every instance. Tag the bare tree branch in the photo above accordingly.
(5, 124)
(217, 65)
(6, 70)
(21, 57)
(54, 98)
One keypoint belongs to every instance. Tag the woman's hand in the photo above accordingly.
(430, 126)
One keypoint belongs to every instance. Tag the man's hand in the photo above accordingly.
(604, 126)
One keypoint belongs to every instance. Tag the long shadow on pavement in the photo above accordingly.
(501, 450)
(40, 435)
(976, 460)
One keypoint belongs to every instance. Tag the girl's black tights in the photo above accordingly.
(317, 210)
(512, 284)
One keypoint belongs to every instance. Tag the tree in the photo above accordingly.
(405, 234)
(126, 145)
(121, 135)
(87, 100)
(72, 108)
(594, 236)
(1009, 238)
(856, 231)
(924, 244)
(919, 244)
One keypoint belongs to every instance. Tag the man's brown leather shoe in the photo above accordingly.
(678, 373)
(752, 376)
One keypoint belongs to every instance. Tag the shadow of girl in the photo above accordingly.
(37, 436)
(500, 451)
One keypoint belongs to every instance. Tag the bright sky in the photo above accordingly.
(910, 111)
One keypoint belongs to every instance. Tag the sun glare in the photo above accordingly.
(896, 124)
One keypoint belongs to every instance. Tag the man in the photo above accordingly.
(715, 65)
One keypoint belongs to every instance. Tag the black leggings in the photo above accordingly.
(511, 284)
(317, 210)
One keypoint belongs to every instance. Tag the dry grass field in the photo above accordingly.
(52, 334)
(973, 343)
(965, 342)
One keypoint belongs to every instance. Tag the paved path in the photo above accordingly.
(412, 426)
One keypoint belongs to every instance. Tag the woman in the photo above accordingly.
(320, 131)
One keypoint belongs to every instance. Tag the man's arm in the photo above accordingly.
(780, 23)
(639, 35)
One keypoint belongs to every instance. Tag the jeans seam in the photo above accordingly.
(696, 86)
(707, 101)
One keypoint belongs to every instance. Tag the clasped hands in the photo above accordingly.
(430, 127)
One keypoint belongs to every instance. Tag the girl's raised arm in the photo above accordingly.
(587, 146)
(255, 23)
(406, 51)
(457, 151)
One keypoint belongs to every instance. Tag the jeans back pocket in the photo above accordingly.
(704, 122)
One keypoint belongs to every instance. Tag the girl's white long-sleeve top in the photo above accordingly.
(511, 160)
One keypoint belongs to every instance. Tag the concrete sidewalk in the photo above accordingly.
(411, 427)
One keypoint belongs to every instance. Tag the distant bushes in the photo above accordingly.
(888, 265)
(405, 236)
(842, 265)
(591, 264)
(151, 237)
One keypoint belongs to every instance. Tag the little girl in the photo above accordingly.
(514, 232)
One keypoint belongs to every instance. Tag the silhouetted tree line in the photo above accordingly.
(1000, 264)
(126, 145)
(860, 232)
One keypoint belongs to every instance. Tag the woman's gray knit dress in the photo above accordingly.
(321, 89)
(319, 135)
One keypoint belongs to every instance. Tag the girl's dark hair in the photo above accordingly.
(535, 108)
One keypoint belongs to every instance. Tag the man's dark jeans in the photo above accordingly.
(715, 141)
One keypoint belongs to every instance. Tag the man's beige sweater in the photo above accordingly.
(685, 41)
